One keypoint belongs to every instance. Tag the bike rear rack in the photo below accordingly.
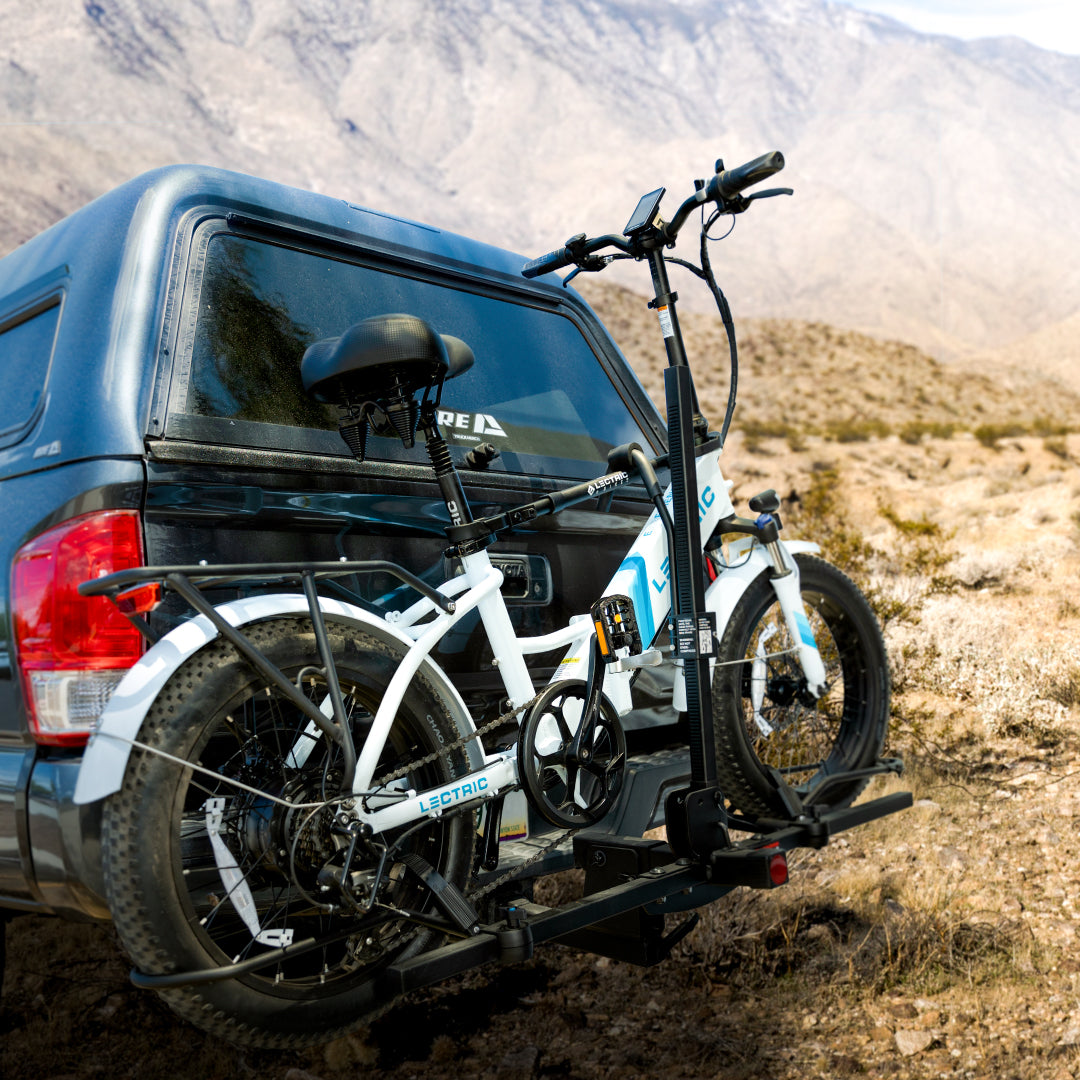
(126, 589)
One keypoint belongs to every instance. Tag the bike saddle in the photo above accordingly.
(384, 356)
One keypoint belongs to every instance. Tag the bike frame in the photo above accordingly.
(643, 575)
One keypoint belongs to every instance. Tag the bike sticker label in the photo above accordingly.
(665, 322)
(695, 636)
(604, 482)
(805, 632)
(437, 800)
(276, 939)
(236, 886)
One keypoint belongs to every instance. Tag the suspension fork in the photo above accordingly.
(786, 584)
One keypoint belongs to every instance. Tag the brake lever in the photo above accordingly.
(738, 203)
(591, 263)
(769, 193)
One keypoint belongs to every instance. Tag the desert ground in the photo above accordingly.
(940, 942)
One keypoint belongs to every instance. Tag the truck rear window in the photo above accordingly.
(26, 348)
(537, 390)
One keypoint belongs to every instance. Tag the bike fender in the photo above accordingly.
(102, 770)
(726, 591)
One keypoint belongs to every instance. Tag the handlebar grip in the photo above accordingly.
(553, 260)
(730, 182)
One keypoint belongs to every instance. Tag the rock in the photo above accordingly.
(950, 858)
(913, 1042)
(520, 1064)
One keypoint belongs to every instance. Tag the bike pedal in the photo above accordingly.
(616, 626)
(445, 893)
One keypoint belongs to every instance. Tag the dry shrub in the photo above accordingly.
(977, 662)
(849, 431)
(915, 431)
(896, 581)
(1057, 446)
(868, 941)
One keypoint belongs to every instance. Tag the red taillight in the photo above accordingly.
(73, 650)
(778, 871)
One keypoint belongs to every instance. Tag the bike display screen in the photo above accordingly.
(645, 212)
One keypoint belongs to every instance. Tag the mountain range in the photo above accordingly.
(936, 180)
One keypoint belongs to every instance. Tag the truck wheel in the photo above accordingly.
(765, 718)
(177, 910)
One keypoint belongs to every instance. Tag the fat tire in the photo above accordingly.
(143, 853)
(845, 730)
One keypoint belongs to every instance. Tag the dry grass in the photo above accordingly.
(956, 505)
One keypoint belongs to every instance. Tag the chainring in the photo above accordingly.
(569, 792)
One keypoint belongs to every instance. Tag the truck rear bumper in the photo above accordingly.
(50, 849)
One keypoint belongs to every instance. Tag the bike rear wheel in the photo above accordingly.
(178, 910)
(763, 716)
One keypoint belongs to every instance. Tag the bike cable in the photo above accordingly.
(725, 315)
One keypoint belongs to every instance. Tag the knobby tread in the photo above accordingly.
(860, 738)
(174, 724)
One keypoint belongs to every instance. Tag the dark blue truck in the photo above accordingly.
(151, 412)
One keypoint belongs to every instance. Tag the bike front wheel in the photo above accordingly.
(765, 719)
(201, 873)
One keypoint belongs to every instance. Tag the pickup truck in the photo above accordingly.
(151, 412)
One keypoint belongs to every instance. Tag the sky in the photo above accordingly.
(1051, 24)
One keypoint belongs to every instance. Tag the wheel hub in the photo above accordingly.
(783, 689)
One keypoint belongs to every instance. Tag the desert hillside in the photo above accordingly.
(801, 379)
(935, 179)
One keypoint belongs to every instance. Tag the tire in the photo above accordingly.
(165, 890)
(806, 740)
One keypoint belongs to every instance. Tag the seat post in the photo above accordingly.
(453, 493)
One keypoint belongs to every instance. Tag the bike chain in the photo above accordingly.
(513, 872)
(458, 744)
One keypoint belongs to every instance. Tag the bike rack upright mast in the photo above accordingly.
(696, 818)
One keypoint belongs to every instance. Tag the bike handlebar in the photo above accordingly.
(724, 188)
(573, 251)
(544, 264)
(730, 182)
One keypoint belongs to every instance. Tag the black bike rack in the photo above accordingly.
(630, 884)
